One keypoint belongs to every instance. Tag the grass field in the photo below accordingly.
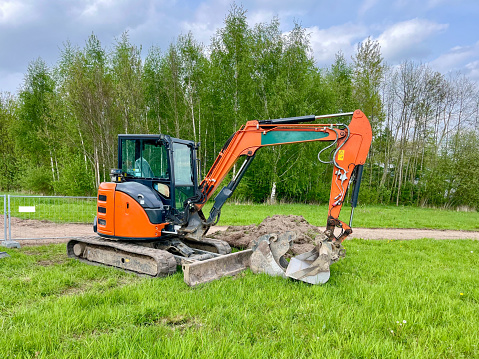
(386, 299)
(364, 216)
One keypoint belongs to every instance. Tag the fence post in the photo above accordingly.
(9, 221)
(8, 242)
(4, 254)
(5, 217)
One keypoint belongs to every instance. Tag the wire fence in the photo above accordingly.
(52, 217)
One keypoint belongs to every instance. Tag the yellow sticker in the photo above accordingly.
(340, 155)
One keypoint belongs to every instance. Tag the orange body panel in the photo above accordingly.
(131, 220)
(124, 217)
(106, 200)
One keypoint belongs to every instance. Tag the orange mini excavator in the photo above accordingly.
(150, 219)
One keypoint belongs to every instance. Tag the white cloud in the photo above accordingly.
(14, 12)
(406, 39)
(102, 12)
(327, 42)
(462, 58)
(258, 17)
(472, 70)
(208, 17)
(265, 15)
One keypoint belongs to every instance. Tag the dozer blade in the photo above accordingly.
(208, 270)
(313, 266)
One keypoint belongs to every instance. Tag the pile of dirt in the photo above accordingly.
(243, 236)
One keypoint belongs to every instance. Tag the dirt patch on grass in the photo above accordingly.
(100, 285)
(50, 262)
(32, 231)
(243, 236)
(181, 323)
(32, 253)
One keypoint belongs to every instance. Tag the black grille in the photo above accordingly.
(101, 222)
(101, 210)
(102, 197)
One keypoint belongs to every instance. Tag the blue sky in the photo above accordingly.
(441, 33)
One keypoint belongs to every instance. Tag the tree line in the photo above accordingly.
(58, 134)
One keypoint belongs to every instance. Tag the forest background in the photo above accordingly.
(58, 134)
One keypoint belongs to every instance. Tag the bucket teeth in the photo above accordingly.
(268, 253)
(313, 266)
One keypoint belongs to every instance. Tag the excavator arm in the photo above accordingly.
(349, 143)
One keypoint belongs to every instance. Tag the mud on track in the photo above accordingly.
(238, 236)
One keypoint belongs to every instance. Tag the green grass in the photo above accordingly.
(364, 216)
(55, 307)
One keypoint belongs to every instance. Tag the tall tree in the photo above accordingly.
(8, 115)
(340, 84)
(32, 128)
(90, 99)
(232, 65)
(153, 89)
(126, 71)
(368, 72)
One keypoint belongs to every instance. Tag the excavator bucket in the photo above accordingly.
(313, 266)
(268, 253)
(310, 267)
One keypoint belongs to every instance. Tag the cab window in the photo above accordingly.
(144, 159)
(183, 162)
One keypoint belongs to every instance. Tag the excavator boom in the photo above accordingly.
(350, 144)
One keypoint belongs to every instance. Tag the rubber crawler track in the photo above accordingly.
(164, 262)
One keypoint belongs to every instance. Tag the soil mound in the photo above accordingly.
(243, 236)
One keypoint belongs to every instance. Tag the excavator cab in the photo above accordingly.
(166, 164)
(156, 175)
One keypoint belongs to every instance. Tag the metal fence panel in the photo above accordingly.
(52, 217)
